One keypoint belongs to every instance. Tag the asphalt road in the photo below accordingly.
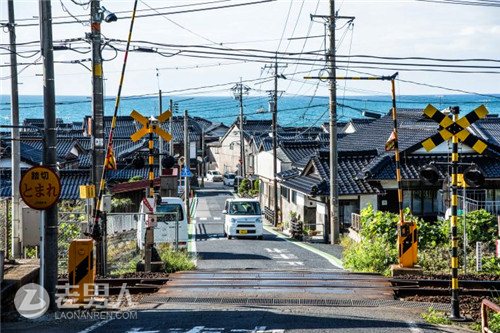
(214, 251)
(241, 269)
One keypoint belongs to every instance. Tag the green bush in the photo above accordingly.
(374, 255)
(135, 179)
(121, 204)
(480, 227)
(244, 186)
(432, 234)
(436, 260)
(175, 260)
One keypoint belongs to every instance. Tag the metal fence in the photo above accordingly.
(492, 207)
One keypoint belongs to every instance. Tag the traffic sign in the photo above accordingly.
(449, 128)
(185, 172)
(40, 188)
(153, 123)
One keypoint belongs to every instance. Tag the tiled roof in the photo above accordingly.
(202, 122)
(29, 154)
(125, 126)
(63, 147)
(411, 165)
(178, 129)
(358, 123)
(283, 175)
(315, 178)
(127, 173)
(298, 150)
(70, 183)
(376, 134)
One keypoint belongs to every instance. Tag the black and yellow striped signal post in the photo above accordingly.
(456, 130)
(81, 269)
(150, 127)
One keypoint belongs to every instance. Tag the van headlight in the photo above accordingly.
(233, 220)
(258, 220)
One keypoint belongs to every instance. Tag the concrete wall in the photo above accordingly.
(227, 155)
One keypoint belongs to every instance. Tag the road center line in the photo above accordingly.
(331, 259)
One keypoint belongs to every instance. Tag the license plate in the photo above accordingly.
(242, 231)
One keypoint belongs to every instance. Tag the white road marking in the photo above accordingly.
(275, 250)
(414, 327)
(96, 326)
(202, 218)
(217, 218)
(139, 330)
(291, 263)
(332, 259)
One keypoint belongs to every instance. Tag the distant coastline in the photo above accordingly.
(292, 110)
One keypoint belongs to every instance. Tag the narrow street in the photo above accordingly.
(214, 251)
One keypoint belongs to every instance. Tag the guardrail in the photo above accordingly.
(485, 306)
(356, 221)
(269, 215)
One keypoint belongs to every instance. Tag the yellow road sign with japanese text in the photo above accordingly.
(40, 187)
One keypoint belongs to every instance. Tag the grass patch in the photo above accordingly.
(435, 317)
(175, 260)
(122, 268)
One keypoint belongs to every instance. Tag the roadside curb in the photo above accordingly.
(332, 259)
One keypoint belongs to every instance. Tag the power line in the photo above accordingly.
(168, 13)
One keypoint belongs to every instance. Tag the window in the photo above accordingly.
(428, 197)
(285, 193)
(294, 197)
(169, 208)
(244, 208)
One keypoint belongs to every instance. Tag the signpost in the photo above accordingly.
(150, 127)
(456, 130)
(40, 188)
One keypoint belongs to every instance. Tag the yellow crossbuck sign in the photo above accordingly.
(147, 123)
(449, 128)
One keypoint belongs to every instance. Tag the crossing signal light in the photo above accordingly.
(473, 176)
(429, 174)
(138, 162)
(168, 162)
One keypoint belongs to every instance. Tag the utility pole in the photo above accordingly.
(334, 232)
(334, 208)
(15, 143)
(97, 94)
(186, 165)
(171, 143)
(238, 90)
(275, 158)
(274, 111)
(49, 154)
(242, 137)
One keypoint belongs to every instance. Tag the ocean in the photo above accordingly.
(292, 111)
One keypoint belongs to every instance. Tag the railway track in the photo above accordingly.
(133, 284)
(438, 287)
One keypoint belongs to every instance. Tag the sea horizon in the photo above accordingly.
(292, 110)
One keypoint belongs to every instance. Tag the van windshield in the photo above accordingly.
(169, 208)
(230, 176)
(244, 208)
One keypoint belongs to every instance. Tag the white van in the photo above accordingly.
(166, 225)
(243, 218)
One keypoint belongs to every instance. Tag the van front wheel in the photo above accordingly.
(229, 237)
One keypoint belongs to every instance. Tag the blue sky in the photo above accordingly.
(382, 28)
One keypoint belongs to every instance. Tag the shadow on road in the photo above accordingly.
(248, 320)
(230, 256)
